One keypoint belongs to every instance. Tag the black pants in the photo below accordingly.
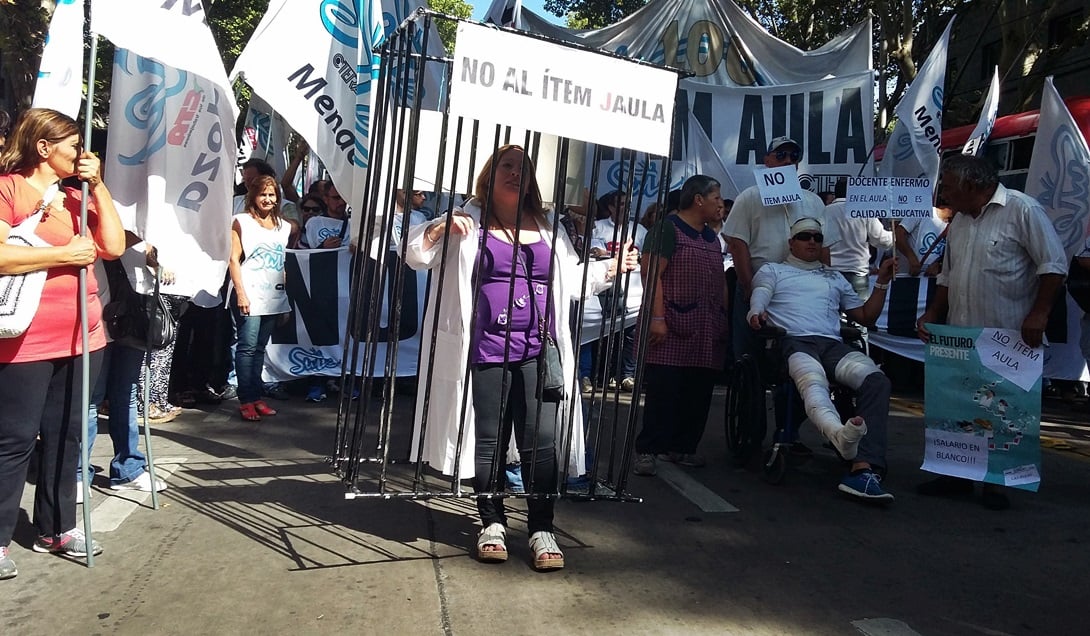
(676, 408)
(535, 438)
(41, 399)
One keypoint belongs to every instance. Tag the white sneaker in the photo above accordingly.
(846, 439)
(79, 493)
(142, 482)
(645, 465)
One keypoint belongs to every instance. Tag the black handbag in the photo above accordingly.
(140, 321)
(550, 371)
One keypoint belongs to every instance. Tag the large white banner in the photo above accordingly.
(60, 74)
(713, 39)
(1059, 171)
(832, 119)
(511, 79)
(913, 148)
(171, 138)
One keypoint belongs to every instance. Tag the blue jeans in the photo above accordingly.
(253, 334)
(116, 382)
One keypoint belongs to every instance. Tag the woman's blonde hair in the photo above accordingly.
(256, 187)
(20, 151)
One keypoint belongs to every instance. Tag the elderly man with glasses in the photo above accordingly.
(757, 234)
(804, 297)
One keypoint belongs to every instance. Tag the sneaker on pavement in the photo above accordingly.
(71, 543)
(846, 439)
(229, 392)
(865, 485)
(316, 394)
(141, 482)
(628, 384)
(7, 566)
(586, 385)
(645, 465)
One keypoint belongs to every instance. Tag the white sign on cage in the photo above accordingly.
(506, 78)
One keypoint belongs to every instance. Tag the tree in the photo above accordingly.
(593, 14)
(23, 25)
(448, 29)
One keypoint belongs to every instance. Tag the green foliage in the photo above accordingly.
(593, 14)
(23, 25)
(448, 29)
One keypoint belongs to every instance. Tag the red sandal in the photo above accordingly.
(263, 409)
(248, 412)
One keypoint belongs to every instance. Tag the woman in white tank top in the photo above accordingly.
(259, 238)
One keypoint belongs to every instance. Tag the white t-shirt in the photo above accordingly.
(852, 252)
(320, 228)
(804, 302)
(607, 234)
(263, 279)
(921, 234)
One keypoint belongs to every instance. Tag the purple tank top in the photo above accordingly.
(498, 311)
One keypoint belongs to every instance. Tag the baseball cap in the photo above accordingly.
(783, 141)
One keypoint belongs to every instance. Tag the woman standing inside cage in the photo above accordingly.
(40, 369)
(501, 241)
(259, 238)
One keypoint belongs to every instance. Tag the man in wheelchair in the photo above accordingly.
(804, 298)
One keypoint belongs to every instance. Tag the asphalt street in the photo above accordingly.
(255, 535)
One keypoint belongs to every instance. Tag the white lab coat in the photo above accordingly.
(451, 336)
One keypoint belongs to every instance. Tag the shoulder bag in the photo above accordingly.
(21, 293)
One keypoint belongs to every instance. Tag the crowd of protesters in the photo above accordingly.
(716, 270)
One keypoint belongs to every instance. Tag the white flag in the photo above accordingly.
(303, 60)
(913, 148)
(264, 135)
(60, 75)
(171, 138)
(702, 158)
(975, 145)
(1059, 170)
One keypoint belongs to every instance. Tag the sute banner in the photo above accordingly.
(505, 78)
(983, 406)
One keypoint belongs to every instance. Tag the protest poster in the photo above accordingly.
(888, 198)
(778, 185)
(983, 406)
(505, 78)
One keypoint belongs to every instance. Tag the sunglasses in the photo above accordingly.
(809, 236)
(783, 154)
(312, 208)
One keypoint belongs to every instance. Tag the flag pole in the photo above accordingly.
(85, 394)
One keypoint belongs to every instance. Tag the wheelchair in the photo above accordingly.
(761, 394)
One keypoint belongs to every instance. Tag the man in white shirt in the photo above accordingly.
(804, 297)
(1003, 267)
(757, 234)
(851, 255)
(329, 231)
